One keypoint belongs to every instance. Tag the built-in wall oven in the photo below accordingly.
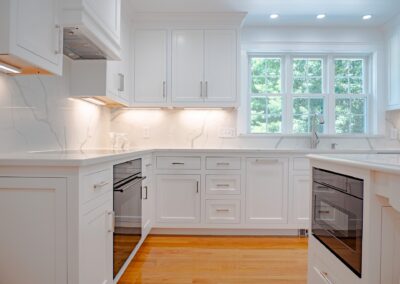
(337, 216)
(128, 210)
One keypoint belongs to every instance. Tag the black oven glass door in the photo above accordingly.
(338, 224)
(128, 211)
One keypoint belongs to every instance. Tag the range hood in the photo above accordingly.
(92, 29)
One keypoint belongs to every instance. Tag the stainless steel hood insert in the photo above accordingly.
(78, 46)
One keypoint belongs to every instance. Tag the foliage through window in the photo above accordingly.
(288, 91)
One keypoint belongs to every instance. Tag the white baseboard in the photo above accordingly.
(225, 232)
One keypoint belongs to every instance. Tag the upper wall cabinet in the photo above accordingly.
(104, 82)
(394, 71)
(186, 60)
(150, 67)
(204, 67)
(92, 29)
(30, 37)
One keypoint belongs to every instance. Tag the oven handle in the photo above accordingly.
(130, 184)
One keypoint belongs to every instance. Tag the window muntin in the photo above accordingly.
(265, 75)
(339, 93)
(304, 109)
(307, 76)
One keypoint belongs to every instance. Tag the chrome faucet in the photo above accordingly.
(316, 120)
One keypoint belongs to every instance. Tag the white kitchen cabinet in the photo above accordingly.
(390, 246)
(31, 36)
(178, 199)
(105, 80)
(266, 190)
(187, 65)
(220, 65)
(33, 238)
(148, 196)
(150, 66)
(97, 244)
(204, 64)
(300, 207)
(394, 71)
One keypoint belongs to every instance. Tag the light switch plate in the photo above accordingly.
(394, 133)
(146, 132)
(227, 132)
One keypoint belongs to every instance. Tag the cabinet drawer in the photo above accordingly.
(181, 163)
(301, 164)
(95, 184)
(223, 211)
(223, 184)
(222, 163)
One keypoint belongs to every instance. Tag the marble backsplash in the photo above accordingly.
(202, 129)
(36, 114)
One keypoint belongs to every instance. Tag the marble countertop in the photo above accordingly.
(383, 162)
(94, 156)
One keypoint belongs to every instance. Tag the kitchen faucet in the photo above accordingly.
(316, 120)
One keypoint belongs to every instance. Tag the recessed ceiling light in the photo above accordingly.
(367, 17)
(321, 16)
(274, 16)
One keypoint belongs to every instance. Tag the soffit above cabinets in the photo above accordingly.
(299, 12)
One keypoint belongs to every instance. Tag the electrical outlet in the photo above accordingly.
(227, 132)
(146, 132)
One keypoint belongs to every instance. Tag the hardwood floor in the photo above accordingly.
(219, 260)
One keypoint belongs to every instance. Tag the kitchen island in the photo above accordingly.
(375, 233)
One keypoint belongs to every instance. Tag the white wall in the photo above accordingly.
(36, 114)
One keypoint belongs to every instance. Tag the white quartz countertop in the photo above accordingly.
(380, 161)
(94, 156)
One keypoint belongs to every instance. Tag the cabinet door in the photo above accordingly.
(187, 65)
(390, 264)
(301, 198)
(38, 36)
(97, 245)
(33, 238)
(266, 190)
(148, 196)
(150, 63)
(220, 65)
(107, 14)
(178, 198)
(394, 70)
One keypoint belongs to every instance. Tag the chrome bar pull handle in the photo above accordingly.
(197, 187)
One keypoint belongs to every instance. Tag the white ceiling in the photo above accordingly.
(292, 12)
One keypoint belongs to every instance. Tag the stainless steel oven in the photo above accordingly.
(128, 210)
(337, 217)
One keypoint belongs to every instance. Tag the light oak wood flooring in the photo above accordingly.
(219, 260)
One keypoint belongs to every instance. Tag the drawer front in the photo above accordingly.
(222, 163)
(223, 184)
(222, 211)
(301, 164)
(179, 163)
(96, 184)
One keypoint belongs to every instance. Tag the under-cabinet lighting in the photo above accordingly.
(204, 108)
(367, 17)
(141, 108)
(5, 68)
(94, 101)
(321, 16)
(274, 16)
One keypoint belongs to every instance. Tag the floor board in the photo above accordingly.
(219, 260)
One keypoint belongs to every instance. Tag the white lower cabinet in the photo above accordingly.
(33, 238)
(148, 196)
(390, 258)
(223, 211)
(97, 244)
(300, 207)
(178, 198)
(266, 190)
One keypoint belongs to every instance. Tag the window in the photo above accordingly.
(266, 99)
(289, 93)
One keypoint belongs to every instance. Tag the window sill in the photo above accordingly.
(294, 136)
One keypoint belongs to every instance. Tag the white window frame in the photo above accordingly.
(329, 96)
